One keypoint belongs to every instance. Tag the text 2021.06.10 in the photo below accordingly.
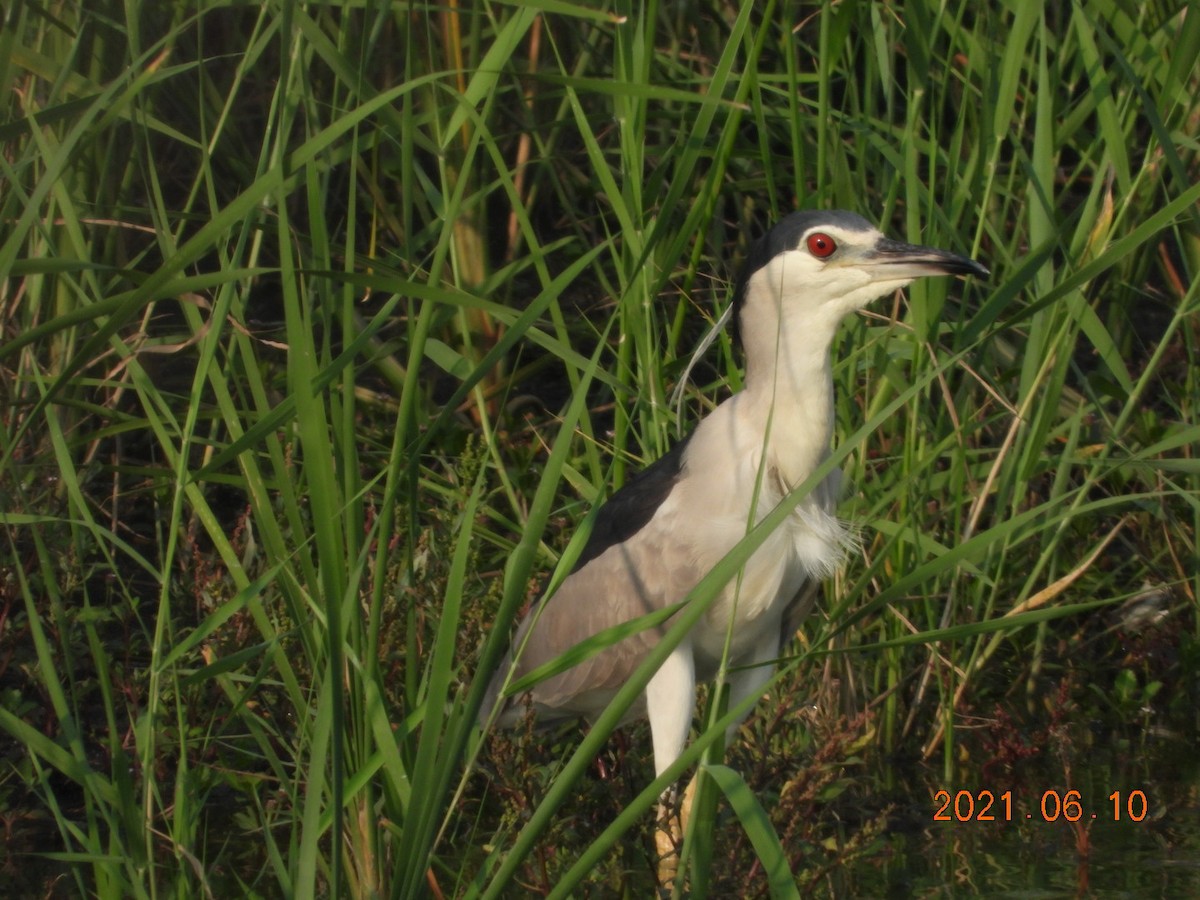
(987, 806)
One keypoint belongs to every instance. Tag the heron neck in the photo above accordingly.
(790, 382)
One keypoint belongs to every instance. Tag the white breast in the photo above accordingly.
(721, 496)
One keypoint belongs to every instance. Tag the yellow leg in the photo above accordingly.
(673, 815)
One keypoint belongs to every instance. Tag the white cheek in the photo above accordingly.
(842, 281)
(801, 278)
(818, 310)
(790, 272)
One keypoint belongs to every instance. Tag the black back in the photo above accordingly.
(629, 509)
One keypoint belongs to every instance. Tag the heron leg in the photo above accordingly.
(674, 810)
(670, 702)
(749, 681)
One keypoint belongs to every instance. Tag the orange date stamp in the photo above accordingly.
(1052, 806)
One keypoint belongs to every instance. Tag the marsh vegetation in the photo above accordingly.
(323, 327)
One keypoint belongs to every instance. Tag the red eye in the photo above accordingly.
(821, 245)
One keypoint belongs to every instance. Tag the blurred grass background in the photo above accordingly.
(322, 326)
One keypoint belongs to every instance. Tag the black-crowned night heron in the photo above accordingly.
(661, 533)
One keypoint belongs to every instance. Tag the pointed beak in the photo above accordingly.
(894, 260)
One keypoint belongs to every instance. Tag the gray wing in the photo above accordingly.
(634, 562)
